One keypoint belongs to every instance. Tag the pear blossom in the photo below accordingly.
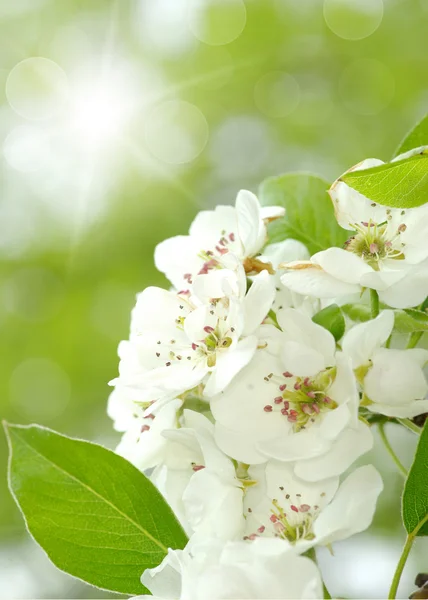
(262, 570)
(182, 342)
(393, 380)
(387, 252)
(239, 230)
(199, 481)
(296, 401)
(142, 442)
(306, 514)
(287, 251)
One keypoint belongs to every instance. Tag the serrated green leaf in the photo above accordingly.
(309, 214)
(96, 516)
(410, 320)
(415, 495)
(332, 319)
(357, 312)
(417, 137)
(400, 184)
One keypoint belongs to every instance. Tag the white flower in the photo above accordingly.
(199, 481)
(288, 251)
(393, 380)
(213, 234)
(309, 514)
(387, 252)
(142, 443)
(182, 342)
(262, 570)
(296, 401)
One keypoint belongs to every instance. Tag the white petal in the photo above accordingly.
(348, 446)
(216, 284)
(302, 360)
(164, 581)
(156, 310)
(251, 228)
(271, 212)
(396, 377)
(405, 411)
(229, 364)
(410, 291)
(209, 226)
(258, 301)
(214, 506)
(360, 342)
(178, 256)
(310, 279)
(295, 446)
(286, 251)
(353, 507)
(300, 328)
(342, 265)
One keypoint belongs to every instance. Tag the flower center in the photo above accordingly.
(290, 518)
(213, 342)
(372, 244)
(303, 399)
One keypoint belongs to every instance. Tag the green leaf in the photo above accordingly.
(309, 214)
(415, 495)
(357, 312)
(96, 516)
(416, 138)
(331, 318)
(400, 184)
(410, 320)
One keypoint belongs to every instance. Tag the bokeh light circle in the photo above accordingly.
(39, 389)
(37, 88)
(353, 19)
(27, 149)
(176, 132)
(277, 94)
(367, 86)
(217, 22)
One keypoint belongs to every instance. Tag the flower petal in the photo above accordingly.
(360, 342)
(229, 364)
(348, 446)
(353, 507)
(309, 279)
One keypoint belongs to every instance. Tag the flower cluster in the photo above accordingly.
(246, 413)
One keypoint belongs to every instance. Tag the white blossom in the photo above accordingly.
(393, 380)
(262, 570)
(239, 230)
(296, 401)
(181, 342)
(288, 251)
(309, 514)
(199, 481)
(387, 252)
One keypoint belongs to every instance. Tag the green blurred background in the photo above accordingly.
(119, 120)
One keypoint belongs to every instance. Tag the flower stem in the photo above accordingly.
(390, 449)
(374, 303)
(400, 566)
(414, 339)
(410, 425)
